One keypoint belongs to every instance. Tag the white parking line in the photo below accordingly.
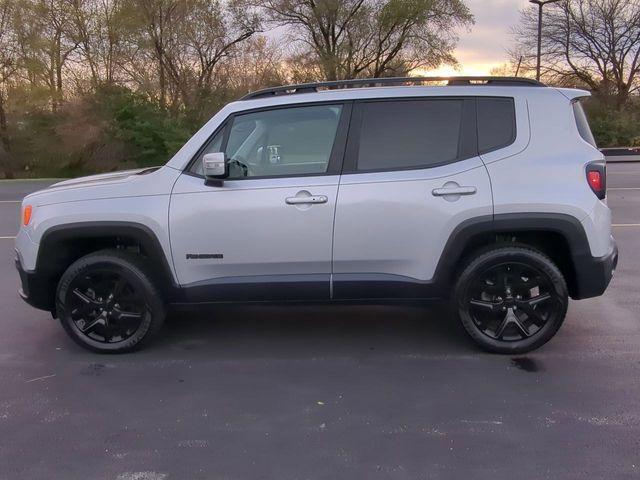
(625, 225)
(10, 201)
(7, 238)
(624, 188)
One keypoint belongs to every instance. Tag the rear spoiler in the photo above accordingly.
(573, 93)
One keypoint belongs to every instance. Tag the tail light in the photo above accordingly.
(597, 179)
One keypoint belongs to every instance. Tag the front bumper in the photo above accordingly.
(35, 290)
(593, 274)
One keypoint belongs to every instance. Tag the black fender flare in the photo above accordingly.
(466, 233)
(138, 232)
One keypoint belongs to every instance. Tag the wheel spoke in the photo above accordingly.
(512, 318)
(539, 299)
(85, 298)
(126, 320)
(502, 327)
(89, 327)
(483, 304)
(523, 330)
(124, 315)
(528, 307)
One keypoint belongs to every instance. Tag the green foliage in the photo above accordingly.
(614, 127)
(150, 135)
(113, 128)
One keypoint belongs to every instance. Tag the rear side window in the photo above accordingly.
(582, 123)
(496, 123)
(409, 134)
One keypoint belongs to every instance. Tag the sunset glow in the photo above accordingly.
(468, 69)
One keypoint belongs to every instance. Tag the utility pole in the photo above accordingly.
(540, 3)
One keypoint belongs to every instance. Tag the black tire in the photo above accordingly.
(510, 299)
(108, 303)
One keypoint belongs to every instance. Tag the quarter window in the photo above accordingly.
(214, 145)
(496, 123)
(409, 134)
(582, 123)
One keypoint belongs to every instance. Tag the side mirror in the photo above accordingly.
(215, 166)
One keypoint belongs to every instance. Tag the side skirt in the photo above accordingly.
(307, 288)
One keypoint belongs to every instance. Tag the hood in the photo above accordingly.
(103, 177)
(129, 183)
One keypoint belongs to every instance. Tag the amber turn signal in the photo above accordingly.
(26, 215)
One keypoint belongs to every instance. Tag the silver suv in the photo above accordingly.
(486, 191)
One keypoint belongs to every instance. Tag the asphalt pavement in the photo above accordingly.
(326, 391)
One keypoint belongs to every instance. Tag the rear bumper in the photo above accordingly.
(34, 290)
(593, 274)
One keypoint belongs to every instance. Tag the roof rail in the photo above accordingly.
(389, 81)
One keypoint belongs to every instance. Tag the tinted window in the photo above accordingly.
(583, 123)
(287, 141)
(409, 134)
(496, 123)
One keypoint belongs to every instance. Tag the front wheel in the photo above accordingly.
(108, 303)
(511, 299)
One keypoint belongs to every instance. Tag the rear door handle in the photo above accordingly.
(305, 200)
(441, 192)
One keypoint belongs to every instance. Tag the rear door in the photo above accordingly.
(412, 174)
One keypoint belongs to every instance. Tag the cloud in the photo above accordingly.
(485, 45)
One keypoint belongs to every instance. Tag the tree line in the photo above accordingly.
(94, 85)
(590, 44)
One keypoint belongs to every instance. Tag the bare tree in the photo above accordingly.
(352, 38)
(98, 28)
(189, 38)
(595, 43)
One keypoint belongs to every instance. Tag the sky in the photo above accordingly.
(484, 46)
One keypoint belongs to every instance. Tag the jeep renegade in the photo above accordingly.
(487, 191)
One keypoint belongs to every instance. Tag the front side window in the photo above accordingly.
(282, 142)
(409, 134)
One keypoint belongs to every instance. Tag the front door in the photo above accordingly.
(266, 231)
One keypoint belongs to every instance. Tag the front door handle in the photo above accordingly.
(304, 199)
(445, 191)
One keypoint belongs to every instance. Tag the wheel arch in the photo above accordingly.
(559, 236)
(61, 245)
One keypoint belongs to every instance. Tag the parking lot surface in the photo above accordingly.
(326, 391)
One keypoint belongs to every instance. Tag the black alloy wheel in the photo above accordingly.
(511, 299)
(105, 306)
(108, 303)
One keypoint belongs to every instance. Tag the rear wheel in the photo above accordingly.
(107, 302)
(511, 299)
